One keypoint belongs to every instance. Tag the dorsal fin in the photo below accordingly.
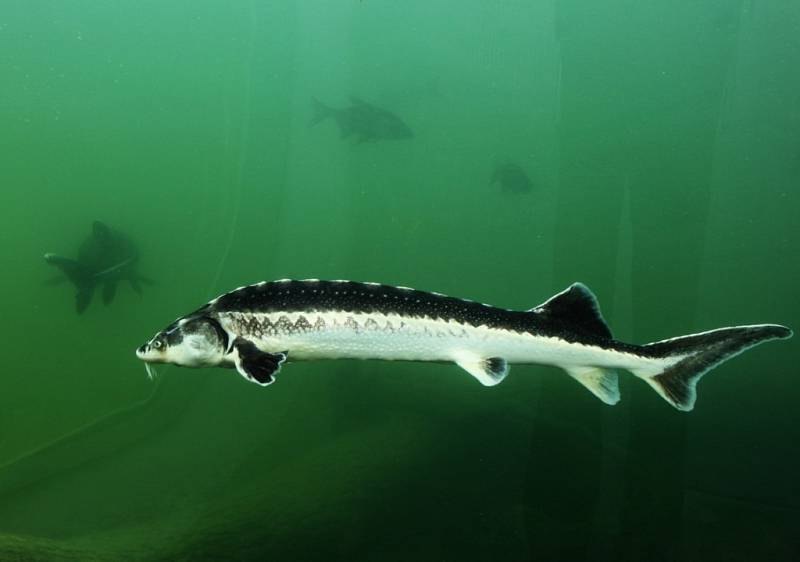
(577, 308)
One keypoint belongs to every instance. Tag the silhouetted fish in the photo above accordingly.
(105, 258)
(364, 121)
(512, 177)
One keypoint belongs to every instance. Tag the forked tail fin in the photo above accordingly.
(679, 363)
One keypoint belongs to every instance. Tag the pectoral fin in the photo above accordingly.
(256, 365)
(109, 290)
(488, 370)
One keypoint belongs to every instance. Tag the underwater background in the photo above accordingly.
(662, 144)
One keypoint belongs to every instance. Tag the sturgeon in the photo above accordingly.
(256, 328)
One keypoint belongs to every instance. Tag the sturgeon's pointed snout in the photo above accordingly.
(146, 353)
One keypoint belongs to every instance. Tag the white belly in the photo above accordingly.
(342, 335)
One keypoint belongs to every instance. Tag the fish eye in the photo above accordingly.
(157, 344)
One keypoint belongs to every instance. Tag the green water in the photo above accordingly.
(663, 140)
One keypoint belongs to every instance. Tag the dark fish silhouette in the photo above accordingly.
(511, 177)
(363, 121)
(104, 259)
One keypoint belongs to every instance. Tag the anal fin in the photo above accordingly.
(255, 365)
(603, 383)
(488, 370)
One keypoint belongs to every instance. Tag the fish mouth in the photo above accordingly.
(148, 355)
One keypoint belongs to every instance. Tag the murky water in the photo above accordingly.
(662, 147)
